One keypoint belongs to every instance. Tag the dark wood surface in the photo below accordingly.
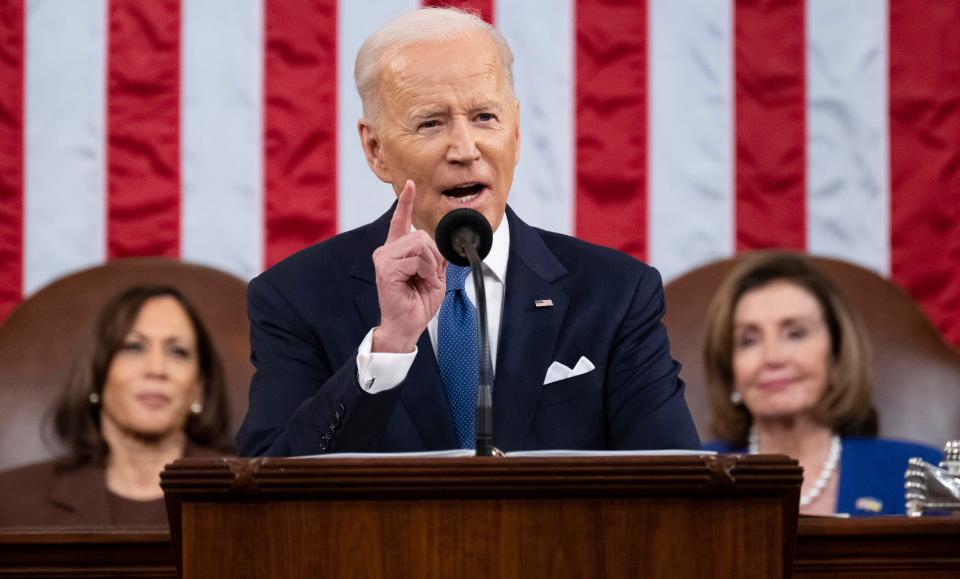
(878, 547)
(874, 548)
(689, 516)
(89, 552)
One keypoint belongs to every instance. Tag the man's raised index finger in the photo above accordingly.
(403, 214)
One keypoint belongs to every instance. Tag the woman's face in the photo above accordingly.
(155, 375)
(781, 350)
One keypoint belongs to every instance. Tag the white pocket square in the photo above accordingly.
(558, 371)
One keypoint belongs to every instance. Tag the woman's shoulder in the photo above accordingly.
(54, 493)
(39, 477)
(871, 477)
(29, 477)
(891, 449)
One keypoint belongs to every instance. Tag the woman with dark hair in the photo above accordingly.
(788, 372)
(149, 390)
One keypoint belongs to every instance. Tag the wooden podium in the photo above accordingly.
(664, 516)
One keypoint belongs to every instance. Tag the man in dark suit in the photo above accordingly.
(352, 347)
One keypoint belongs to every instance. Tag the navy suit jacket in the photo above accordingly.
(310, 312)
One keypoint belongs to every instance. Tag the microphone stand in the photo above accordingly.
(484, 443)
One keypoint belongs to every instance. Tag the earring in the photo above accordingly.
(196, 408)
(736, 398)
(94, 398)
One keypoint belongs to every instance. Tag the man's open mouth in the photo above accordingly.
(465, 193)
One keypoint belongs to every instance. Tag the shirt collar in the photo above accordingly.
(496, 261)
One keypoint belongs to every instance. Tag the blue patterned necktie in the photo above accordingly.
(457, 354)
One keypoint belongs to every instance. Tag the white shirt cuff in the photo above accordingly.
(381, 371)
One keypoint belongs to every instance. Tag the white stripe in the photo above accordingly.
(848, 180)
(221, 128)
(64, 207)
(361, 197)
(541, 35)
(691, 203)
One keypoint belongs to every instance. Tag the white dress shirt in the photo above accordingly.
(380, 371)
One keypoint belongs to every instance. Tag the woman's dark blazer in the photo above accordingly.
(45, 494)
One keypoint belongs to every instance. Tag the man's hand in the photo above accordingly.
(411, 280)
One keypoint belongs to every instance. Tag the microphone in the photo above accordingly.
(461, 228)
(464, 238)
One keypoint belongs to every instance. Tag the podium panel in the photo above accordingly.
(826, 547)
(727, 516)
(92, 552)
(888, 547)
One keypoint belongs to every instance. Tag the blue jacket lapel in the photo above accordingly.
(528, 334)
(426, 402)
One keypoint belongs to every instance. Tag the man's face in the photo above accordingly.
(448, 120)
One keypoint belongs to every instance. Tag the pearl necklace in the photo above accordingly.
(826, 473)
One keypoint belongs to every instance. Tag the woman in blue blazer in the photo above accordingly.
(787, 365)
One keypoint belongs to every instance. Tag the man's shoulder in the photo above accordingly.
(325, 260)
(723, 447)
(328, 252)
(579, 249)
(584, 259)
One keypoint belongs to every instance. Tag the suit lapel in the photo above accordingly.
(426, 401)
(83, 491)
(368, 305)
(367, 301)
(422, 392)
(528, 334)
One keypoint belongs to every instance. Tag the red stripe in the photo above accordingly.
(770, 123)
(12, 41)
(484, 7)
(611, 124)
(300, 122)
(143, 127)
(925, 156)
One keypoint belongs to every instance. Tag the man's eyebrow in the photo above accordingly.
(490, 105)
(434, 111)
(426, 112)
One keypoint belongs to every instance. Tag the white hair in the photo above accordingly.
(423, 25)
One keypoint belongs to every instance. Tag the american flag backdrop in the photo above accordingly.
(223, 132)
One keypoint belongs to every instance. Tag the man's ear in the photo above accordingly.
(516, 150)
(370, 141)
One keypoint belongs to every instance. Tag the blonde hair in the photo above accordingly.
(423, 25)
(847, 404)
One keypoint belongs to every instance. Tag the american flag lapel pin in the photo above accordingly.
(543, 303)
